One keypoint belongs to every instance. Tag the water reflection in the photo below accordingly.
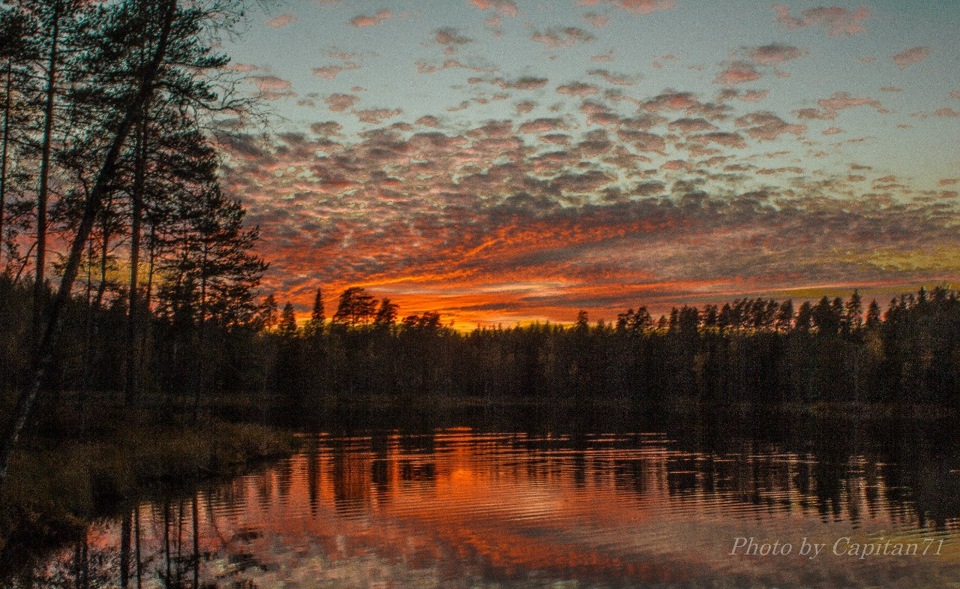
(458, 507)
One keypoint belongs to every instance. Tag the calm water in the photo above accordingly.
(693, 503)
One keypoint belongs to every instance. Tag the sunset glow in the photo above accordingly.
(515, 161)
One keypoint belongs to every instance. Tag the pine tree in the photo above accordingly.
(317, 319)
(356, 307)
(288, 322)
(386, 315)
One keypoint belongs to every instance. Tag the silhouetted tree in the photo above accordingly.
(356, 307)
(386, 314)
(317, 319)
(288, 322)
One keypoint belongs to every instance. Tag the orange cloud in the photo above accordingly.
(362, 20)
(737, 72)
(836, 20)
(636, 6)
(280, 21)
(563, 37)
(504, 7)
(911, 56)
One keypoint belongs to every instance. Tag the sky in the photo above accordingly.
(505, 161)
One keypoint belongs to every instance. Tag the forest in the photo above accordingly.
(758, 351)
(109, 174)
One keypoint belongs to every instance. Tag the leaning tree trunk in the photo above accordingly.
(92, 206)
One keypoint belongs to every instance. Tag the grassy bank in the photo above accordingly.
(80, 465)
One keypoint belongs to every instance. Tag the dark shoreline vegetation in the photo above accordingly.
(81, 464)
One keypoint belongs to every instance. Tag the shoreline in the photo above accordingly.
(56, 488)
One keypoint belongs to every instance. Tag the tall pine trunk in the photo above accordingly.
(7, 105)
(43, 190)
(132, 347)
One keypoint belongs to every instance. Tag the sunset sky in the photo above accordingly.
(505, 160)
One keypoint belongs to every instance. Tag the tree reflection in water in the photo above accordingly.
(458, 507)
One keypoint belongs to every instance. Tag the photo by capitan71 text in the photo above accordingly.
(843, 546)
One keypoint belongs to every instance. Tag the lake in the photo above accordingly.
(558, 498)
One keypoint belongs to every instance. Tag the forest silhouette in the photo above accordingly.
(759, 351)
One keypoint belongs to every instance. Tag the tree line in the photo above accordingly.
(759, 351)
(749, 350)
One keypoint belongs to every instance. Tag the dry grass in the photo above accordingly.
(70, 473)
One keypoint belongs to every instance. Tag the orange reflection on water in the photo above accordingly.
(460, 508)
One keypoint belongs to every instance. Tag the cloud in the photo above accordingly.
(327, 128)
(588, 182)
(340, 102)
(525, 106)
(598, 114)
(563, 37)
(911, 56)
(767, 126)
(615, 79)
(842, 100)
(272, 87)
(429, 68)
(376, 116)
(642, 140)
(837, 21)
(542, 125)
(636, 6)
(830, 107)
(597, 20)
(282, 20)
(362, 20)
(329, 72)
(504, 7)
(737, 72)
(578, 89)
(955, 94)
(773, 54)
(672, 101)
(241, 68)
(688, 125)
(744, 95)
(891, 89)
(524, 83)
(271, 83)
(726, 139)
(423, 208)
(603, 57)
(450, 37)
(428, 121)
(946, 113)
